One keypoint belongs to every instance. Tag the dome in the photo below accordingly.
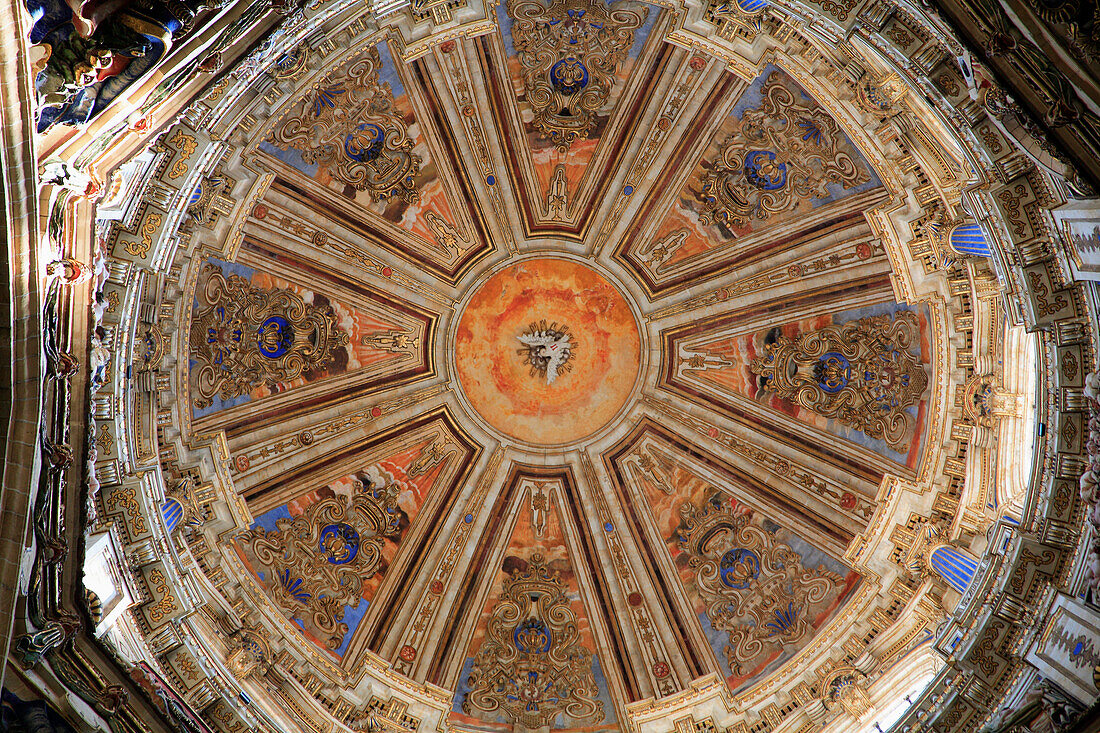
(554, 365)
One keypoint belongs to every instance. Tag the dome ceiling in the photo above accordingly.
(543, 372)
(649, 405)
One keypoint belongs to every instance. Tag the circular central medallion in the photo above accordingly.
(547, 351)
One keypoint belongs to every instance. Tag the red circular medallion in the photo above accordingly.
(547, 351)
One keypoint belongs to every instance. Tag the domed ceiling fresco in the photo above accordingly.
(569, 401)
(560, 365)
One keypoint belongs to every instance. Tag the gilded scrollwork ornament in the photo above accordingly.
(861, 373)
(880, 95)
(243, 337)
(247, 652)
(532, 667)
(317, 561)
(570, 51)
(349, 122)
(845, 689)
(781, 153)
(755, 587)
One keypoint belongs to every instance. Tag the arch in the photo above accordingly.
(954, 565)
(968, 240)
(894, 692)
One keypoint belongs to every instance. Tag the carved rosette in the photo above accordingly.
(861, 373)
(349, 123)
(784, 151)
(754, 586)
(243, 337)
(532, 666)
(570, 51)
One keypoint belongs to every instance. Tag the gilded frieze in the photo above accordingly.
(319, 558)
(861, 375)
(755, 588)
(773, 160)
(782, 153)
(533, 660)
(324, 552)
(758, 592)
(532, 667)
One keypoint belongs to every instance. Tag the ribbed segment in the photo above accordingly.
(955, 566)
(968, 239)
(172, 513)
(752, 6)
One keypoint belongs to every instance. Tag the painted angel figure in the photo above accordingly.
(548, 349)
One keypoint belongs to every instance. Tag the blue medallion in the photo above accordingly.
(276, 337)
(364, 143)
(738, 568)
(569, 75)
(832, 372)
(764, 172)
(339, 543)
(532, 637)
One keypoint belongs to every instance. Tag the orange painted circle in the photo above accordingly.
(507, 391)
